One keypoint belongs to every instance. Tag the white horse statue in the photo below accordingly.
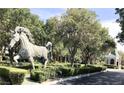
(28, 50)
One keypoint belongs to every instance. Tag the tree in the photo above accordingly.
(51, 29)
(68, 32)
(79, 29)
(120, 20)
(121, 54)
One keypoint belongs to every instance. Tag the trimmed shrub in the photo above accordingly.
(29, 66)
(5, 64)
(122, 67)
(4, 73)
(44, 74)
(3, 82)
(52, 72)
(13, 75)
(65, 71)
(38, 76)
(111, 66)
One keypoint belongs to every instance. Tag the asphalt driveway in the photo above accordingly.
(110, 77)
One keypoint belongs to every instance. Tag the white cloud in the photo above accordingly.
(112, 26)
(114, 29)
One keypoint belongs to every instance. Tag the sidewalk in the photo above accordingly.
(27, 81)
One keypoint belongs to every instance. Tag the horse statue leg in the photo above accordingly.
(32, 62)
(16, 58)
(45, 63)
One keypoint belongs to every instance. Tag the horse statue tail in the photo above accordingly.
(49, 48)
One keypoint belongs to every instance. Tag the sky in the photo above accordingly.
(106, 16)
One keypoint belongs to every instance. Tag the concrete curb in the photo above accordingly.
(115, 70)
(70, 78)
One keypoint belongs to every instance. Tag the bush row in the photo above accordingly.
(111, 66)
(52, 72)
(29, 66)
(122, 67)
(12, 75)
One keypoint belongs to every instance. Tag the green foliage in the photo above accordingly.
(76, 33)
(120, 20)
(121, 54)
(16, 77)
(12, 17)
(43, 74)
(82, 35)
(60, 70)
(65, 71)
(5, 64)
(13, 75)
(89, 69)
(4, 72)
(111, 66)
(38, 76)
(109, 45)
(28, 66)
(122, 67)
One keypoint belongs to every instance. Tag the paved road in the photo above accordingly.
(111, 77)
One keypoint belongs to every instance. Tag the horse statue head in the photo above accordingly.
(14, 38)
(16, 35)
(26, 31)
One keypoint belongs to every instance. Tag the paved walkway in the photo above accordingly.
(27, 81)
(110, 77)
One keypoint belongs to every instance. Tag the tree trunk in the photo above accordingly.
(0, 56)
(72, 60)
(11, 55)
(65, 59)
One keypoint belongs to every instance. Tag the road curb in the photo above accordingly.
(70, 78)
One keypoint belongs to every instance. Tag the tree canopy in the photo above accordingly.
(76, 33)
(120, 20)
(79, 29)
(10, 18)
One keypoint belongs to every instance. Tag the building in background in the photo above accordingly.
(114, 59)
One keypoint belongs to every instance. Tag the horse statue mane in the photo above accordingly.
(26, 31)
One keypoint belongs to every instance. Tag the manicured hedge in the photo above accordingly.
(29, 66)
(111, 66)
(122, 67)
(4, 64)
(12, 75)
(53, 72)
(43, 74)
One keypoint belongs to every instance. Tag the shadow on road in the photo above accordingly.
(105, 78)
